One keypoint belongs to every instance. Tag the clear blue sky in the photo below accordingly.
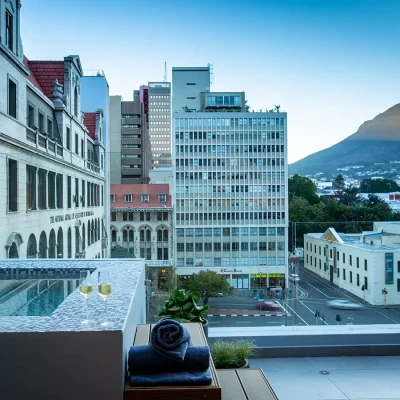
(331, 64)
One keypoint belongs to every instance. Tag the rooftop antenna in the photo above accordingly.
(277, 108)
(165, 71)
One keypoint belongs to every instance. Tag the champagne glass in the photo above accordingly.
(86, 289)
(104, 290)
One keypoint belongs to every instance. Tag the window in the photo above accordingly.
(235, 246)
(398, 285)
(262, 246)
(124, 216)
(358, 279)
(162, 198)
(41, 122)
(226, 246)
(128, 198)
(365, 265)
(350, 260)
(68, 138)
(358, 262)
(271, 245)
(76, 192)
(12, 98)
(319, 264)
(226, 232)
(145, 198)
(50, 127)
(217, 246)
(76, 143)
(199, 247)
(113, 216)
(398, 266)
(351, 277)
(83, 193)
(365, 283)
(60, 191)
(42, 203)
(207, 246)
(344, 274)
(244, 246)
(30, 188)
(12, 185)
(253, 246)
(344, 258)
(112, 198)
(51, 178)
(82, 149)
(315, 248)
(180, 247)
(31, 117)
(69, 192)
(337, 270)
(9, 30)
(189, 246)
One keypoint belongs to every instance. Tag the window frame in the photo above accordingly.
(9, 39)
(12, 195)
(15, 100)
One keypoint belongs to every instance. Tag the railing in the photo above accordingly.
(41, 141)
(162, 244)
(31, 135)
(159, 263)
(51, 146)
(59, 150)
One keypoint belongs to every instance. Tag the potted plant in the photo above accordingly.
(182, 307)
(232, 353)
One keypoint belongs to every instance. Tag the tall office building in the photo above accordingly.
(159, 117)
(230, 177)
(130, 146)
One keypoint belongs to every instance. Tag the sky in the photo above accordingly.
(330, 64)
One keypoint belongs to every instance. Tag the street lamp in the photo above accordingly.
(384, 292)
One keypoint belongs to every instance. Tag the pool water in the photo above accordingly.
(33, 297)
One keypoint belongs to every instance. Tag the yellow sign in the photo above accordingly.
(258, 275)
(276, 275)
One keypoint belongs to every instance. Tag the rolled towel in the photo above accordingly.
(197, 378)
(144, 359)
(170, 339)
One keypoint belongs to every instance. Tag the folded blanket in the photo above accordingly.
(169, 338)
(171, 378)
(144, 359)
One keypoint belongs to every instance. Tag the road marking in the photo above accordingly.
(294, 312)
(233, 315)
(315, 302)
(308, 283)
(387, 317)
(243, 322)
(313, 312)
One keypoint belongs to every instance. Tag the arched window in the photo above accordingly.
(13, 244)
(165, 235)
(83, 237)
(43, 245)
(131, 235)
(69, 245)
(113, 235)
(88, 234)
(148, 235)
(142, 235)
(52, 244)
(159, 235)
(13, 252)
(124, 235)
(60, 243)
(31, 250)
(77, 240)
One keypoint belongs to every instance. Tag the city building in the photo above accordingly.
(159, 117)
(95, 96)
(361, 263)
(130, 153)
(141, 222)
(51, 164)
(231, 185)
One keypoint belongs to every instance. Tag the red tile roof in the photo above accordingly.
(44, 73)
(90, 123)
(153, 190)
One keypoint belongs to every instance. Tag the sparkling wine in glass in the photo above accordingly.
(104, 290)
(86, 289)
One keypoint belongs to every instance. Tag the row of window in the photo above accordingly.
(230, 175)
(228, 135)
(229, 149)
(144, 235)
(239, 203)
(244, 217)
(228, 246)
(130, 116)
(143, 216)
(130, 126)
(230, 162)
(40, 124)
(144, 198)
(217, 232)
(256, 123)
(160, 116)
(229, 262)
(193, 188)
(164, 109)
(131, 146)
(158, 97)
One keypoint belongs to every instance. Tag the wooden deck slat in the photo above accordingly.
(142, 336)
(255, 384)
(230, 385)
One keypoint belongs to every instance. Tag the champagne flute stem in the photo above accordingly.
(105, 300)
(87, 308)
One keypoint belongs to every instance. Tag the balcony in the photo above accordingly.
(44, 142)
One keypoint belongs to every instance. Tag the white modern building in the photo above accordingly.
(231, 185)
(159, 114)
(52, 172)
(367, 260)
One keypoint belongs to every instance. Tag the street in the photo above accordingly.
(312, 294)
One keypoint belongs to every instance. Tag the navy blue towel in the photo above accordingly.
(172, 378)
(169, 338)
(144, 359)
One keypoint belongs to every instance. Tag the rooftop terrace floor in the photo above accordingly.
(354, 378)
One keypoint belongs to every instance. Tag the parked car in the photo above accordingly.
(344, 304)
(294, 278)
(219, 294)
(266, 305)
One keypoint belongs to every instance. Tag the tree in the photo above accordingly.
(300, 186)
(373, 200)
(350, 196)
(122, 252)
(378, 186)
(338, 183)
(168, 281)
(208, 283)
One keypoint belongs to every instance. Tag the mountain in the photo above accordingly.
(376, 141)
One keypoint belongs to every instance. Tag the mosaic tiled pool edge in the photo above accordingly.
(125, 276)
